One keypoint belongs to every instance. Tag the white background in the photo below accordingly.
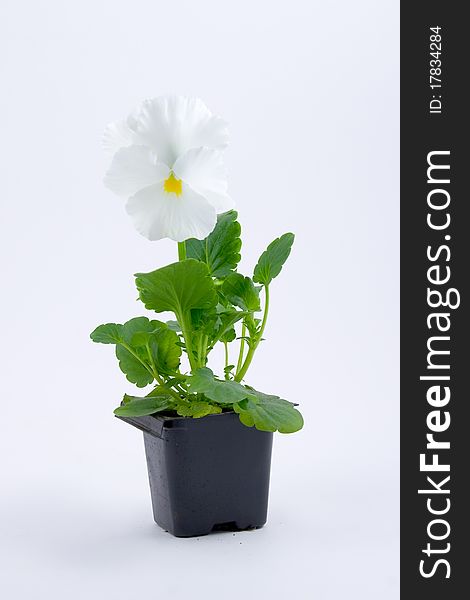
(310, 90)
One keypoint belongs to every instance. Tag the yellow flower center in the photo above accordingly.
(173, 185)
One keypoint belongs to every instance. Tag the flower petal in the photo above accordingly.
(172, 125)
(117, 135)
(158, 214)
(203, 169)
(133, 169)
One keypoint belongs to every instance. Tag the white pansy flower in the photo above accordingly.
(167, 162)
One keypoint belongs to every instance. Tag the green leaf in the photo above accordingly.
(270, 262)
(224, 330)
(177, 378)
(204, 320)
(132, 367)
(253, 326)
(163, 345)
(134, 406)
(224, 392)
(178, 287)
(115, 333)
(197, 409)
(138, 325)
(110, 333)
(229, 335)
(241, 292)
(221, 249)
(174, 326)
(133, 360)
(269, 413)
(158, 390)
(166, 351)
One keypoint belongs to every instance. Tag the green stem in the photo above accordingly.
(158, 379)
(199, 351)
(249, 357)
(242, 348)
(227, 376)
(205, 343)
(181, 250)
(172, 392)
(265, 316)
(187, 338)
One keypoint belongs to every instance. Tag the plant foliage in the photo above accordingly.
(211, 304)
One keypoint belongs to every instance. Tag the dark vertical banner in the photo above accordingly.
(435, 303)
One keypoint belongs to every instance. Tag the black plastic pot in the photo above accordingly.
(206, 474)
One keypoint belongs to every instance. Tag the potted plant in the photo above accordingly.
(208, 438)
